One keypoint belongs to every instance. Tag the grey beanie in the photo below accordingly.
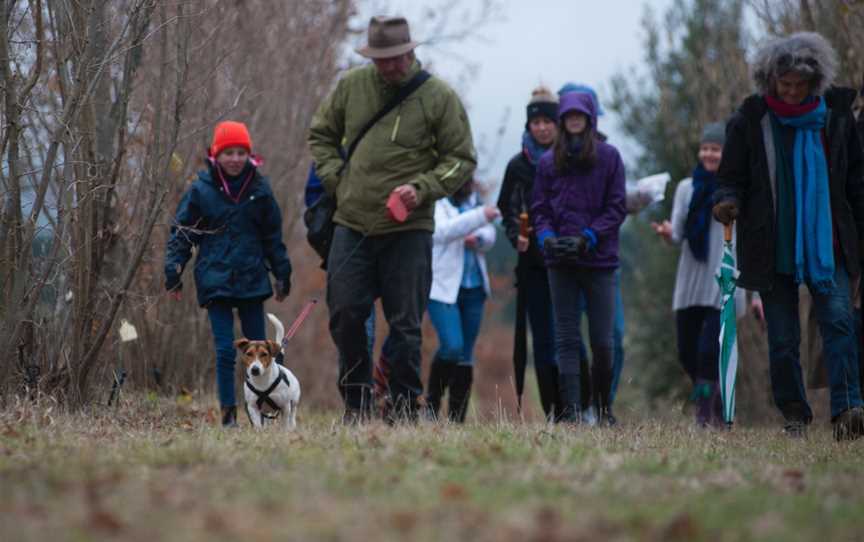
(714, 132)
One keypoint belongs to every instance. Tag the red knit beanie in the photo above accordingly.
(230, 134)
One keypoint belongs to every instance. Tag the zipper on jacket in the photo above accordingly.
(395, 128)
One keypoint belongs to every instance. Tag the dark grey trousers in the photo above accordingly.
(396, 267)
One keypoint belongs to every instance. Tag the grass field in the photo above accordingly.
(160, 470)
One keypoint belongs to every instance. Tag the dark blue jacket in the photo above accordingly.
(238, 243)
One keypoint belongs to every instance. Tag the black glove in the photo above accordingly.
(172, 279)
(569, 249)
(725, 212)
(283, 288)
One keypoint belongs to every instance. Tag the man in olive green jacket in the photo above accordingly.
(421, 151)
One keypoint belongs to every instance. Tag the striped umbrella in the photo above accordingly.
(727, 277)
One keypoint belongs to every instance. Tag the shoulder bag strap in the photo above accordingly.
(403, 92)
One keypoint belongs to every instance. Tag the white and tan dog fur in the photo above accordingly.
(262, 371)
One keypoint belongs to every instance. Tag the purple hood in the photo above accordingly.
(578, 101)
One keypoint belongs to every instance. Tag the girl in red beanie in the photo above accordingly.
(231, 216)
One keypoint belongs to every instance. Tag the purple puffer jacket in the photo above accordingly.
(570, 204)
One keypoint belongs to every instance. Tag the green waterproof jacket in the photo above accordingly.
(426, 142)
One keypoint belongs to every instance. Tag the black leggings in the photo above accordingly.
(699, 342)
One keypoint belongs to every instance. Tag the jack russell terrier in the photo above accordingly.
(270, 389)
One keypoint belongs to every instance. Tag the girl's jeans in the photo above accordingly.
(458, 325)
(221, 312)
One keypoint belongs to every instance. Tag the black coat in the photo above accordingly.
(744, 178)
(514, 199)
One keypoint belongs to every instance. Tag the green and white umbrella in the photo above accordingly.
(727, 277)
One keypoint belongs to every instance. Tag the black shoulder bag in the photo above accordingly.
(319, 216)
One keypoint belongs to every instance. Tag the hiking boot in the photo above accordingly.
(717, 415)
(589, 416)
(460, 392)
(702, 395)
(601, 377)
(569, 386)
(849, 424)
(229, 416)
(606, 418)
(440, 377)
(547, 385)
(795, 429)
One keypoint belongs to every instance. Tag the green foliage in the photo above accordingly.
(695, 72)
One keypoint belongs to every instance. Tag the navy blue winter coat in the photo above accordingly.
(238, 243)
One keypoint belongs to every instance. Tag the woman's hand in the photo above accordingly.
(522, 243)
(491, 213)
(471, 242)
(663, 230)
(757, 310)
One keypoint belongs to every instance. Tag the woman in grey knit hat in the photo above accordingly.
(792, 175)
(696, 300)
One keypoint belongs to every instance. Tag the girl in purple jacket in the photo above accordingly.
(578, 208)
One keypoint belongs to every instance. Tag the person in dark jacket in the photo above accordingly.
(792, 175)
(634, 205)
(230, 215)
(579, 203)
(532, 280)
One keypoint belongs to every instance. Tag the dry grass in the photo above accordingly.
(162, 470)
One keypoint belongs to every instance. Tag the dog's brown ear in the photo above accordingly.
(241, 343)
(273, 347)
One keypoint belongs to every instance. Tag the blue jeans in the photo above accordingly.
(617, 336)
(457, 325)
(540, 316)
(221, 313)
(836, 324)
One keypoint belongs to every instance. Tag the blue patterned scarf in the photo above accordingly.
(533, 150)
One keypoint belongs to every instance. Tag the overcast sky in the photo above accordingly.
(538, 41)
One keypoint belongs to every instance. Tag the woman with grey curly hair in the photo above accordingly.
(792, 174)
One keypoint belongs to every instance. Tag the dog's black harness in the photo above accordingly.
(264, 397)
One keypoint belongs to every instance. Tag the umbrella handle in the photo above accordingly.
(727, 232)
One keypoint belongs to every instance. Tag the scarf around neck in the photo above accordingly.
(814, 250)
(531, 149)
(698, 222)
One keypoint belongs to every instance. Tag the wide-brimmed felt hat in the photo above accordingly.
(388, 37)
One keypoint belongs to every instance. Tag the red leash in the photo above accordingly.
(298, 322)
